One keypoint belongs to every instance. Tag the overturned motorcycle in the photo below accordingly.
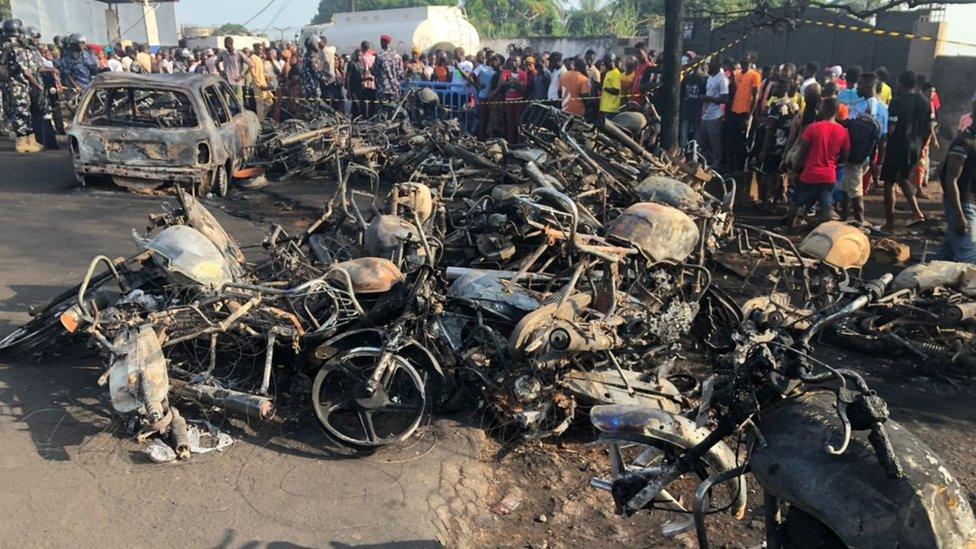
(816, 438)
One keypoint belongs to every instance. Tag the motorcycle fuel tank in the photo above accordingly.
(662, 232)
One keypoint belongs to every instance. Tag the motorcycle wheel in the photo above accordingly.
(356, 418)
(39, 332)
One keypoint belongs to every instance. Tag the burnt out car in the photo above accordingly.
(146, 131)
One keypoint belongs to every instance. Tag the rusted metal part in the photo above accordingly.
(661, 232)
(237, 402)
(369, 275)
(837, 244)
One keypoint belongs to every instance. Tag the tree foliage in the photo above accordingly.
(5, 12)
(498, 18)
(233, 28)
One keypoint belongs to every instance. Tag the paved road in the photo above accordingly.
(68, 477)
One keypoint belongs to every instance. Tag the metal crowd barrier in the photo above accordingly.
(455, 101)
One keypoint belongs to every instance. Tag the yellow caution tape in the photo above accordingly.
(882, 32)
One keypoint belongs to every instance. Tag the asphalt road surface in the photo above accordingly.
(70, 477)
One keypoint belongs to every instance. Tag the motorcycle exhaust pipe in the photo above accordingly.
(237, 402)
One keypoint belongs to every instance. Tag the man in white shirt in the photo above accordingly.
(557, 68)
(114, 64)
(713, 109)
(809, 76)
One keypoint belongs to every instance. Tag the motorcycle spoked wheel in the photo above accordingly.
(42, 330)
(356, 418)
(629, 452)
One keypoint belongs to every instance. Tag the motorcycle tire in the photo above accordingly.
(350, 414)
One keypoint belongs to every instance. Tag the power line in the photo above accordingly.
(260, 11)
(284, 5)
(140, 20)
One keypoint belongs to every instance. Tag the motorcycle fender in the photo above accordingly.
(850, 493)
(371, 337)
(366, 337)
(628, 422)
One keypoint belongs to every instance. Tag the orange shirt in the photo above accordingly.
(843, 111)
(441, 74)
(746, 86)
(573, 85)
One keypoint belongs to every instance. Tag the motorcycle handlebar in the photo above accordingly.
(870, 291)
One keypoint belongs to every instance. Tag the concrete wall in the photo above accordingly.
(955, 80)
(961, 19)
(821, 44)
(63, 17)
(567, 45)
(921, 53)
(217, 41)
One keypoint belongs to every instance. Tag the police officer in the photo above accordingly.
(4, 80)
(42, 101)
(78, 65)
(181, 60)
(22, 74)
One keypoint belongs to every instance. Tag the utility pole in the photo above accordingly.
(281, 32)
(674, 18)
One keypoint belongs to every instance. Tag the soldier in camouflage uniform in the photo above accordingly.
(181, 60)
(4, 81)
(42, 106)
(315, 75)
(387, 71)
(23, 77)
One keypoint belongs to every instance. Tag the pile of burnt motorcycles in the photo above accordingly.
(569, 276)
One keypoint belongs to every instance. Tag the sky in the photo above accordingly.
(295, 13)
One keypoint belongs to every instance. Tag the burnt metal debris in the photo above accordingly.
(537, 281)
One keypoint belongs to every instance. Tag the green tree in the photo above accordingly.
(233, 28)
(5, 11)
(505, 18)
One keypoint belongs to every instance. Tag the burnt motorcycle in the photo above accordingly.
(815, 437)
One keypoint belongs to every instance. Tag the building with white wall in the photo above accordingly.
(102, 21)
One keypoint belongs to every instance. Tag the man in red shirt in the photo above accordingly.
(823, 145)
(644, 64)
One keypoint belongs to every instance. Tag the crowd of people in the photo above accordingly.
(282, 78)
(799, 130)
(821, 138)
(815, 139)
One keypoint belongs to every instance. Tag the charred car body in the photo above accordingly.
(146, 131)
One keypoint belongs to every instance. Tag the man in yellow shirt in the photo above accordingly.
(884, 90)
(610, 99)
(259, 83)
(144, 59)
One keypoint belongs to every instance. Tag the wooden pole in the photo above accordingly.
(671, 77)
